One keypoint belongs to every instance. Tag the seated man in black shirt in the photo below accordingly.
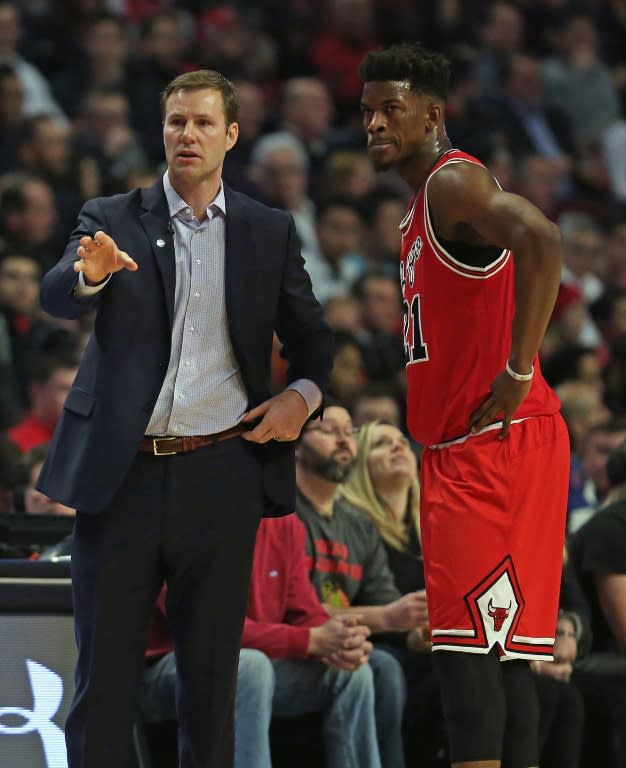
(598, 553)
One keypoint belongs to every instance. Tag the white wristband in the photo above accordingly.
(519, 376)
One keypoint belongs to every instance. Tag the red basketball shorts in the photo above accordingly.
(493, 526)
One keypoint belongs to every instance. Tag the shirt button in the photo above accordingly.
(186, 362)
(198, 261)
(197, 295)
(192, 328)
(188, 211)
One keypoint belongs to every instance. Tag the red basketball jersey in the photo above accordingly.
(457, 326)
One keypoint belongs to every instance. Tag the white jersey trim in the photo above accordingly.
(533, 640)
(507, 655)
(446, 258)
(463, 438)
(460, 632)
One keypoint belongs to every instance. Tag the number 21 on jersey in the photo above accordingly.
(415, 348)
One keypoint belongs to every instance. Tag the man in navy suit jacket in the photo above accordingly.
(171, 447)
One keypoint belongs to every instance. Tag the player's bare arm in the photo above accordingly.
(468, 206)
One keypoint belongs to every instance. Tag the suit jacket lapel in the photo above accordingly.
(156, 221)
(239, 277)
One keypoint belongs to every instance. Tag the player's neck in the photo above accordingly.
(418, 169)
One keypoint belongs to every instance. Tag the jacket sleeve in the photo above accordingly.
(306, 338)
(57, 288)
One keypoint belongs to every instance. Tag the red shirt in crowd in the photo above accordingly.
(282, 603)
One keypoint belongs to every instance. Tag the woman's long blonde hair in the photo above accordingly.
(358, 491)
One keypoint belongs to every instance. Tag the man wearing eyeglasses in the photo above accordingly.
(348, 563)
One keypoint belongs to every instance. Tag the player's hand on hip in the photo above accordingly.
(99, 256)
(280, 418)
(505, 398)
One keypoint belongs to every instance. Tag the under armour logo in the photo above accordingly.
(47, 688)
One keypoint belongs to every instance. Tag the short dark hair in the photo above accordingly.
(205, 78)
(424, 70)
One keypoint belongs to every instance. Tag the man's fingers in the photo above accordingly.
(127, 261)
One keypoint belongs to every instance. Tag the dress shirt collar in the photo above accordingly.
(178, 207)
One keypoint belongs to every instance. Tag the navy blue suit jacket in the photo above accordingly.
(108, 408)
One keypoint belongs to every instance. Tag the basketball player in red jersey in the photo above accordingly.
(480, 270)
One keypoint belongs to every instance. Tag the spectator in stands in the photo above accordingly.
(252, 123)
(29, 217)
(608, 312)
(11, 116)
(307, 111)
(49, 381)
(598, 553)
(343, 313)
(582, 408)
(295, 660)
(500, 34)
(105, 135)
(383, 210)
(45, 149)
(338, 260)
(279, 167)
(230, 39)
(102, 63)
(347, 559)
(38, 97)
(377, 402)
(596, 447)
(347, 173)
(380, 302)
(581, 85)
(383, 487)
(517, 113)
(165, 50)
(348, 32)
(35, 502)
(348, 375)
(9, 457)
(583, 253)
(574, 362)
(20, 278)
(537, 180)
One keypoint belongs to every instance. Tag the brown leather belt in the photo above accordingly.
(168, 446)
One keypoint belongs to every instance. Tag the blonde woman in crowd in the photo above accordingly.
(383, 485)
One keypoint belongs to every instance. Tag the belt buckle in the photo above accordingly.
(156, 452)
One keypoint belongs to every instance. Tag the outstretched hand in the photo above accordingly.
(99, 256)
(505, 398)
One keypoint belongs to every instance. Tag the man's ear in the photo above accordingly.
(433, 116)
(232, 135)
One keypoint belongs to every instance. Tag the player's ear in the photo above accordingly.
(433, 115)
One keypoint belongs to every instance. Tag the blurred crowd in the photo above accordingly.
(539, 95)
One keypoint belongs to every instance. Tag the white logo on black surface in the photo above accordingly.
(47, 689)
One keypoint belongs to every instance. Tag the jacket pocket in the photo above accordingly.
(80, 402)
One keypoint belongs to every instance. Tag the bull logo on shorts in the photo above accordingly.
(498, 614)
